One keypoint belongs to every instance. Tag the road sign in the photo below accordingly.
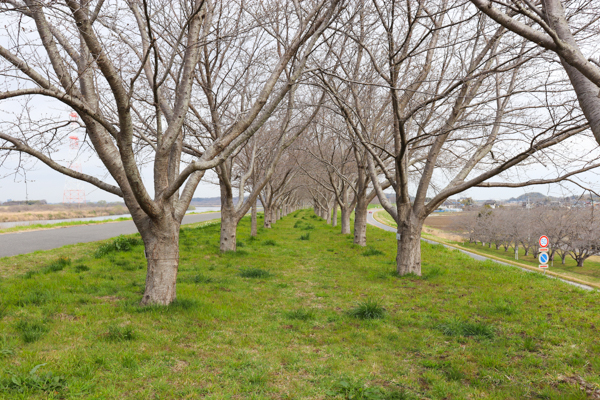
(544, 266)
(542, 249)
(544, 241)
(543, 257)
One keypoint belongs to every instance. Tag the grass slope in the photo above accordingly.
(283, 318)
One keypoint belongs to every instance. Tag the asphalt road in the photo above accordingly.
(373, 222)
(12, 244)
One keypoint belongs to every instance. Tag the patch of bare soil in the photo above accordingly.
(450, 226)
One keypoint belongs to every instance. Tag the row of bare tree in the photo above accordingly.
(572, 232)
(321, 102)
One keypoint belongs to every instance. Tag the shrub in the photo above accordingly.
(368, 309)
(31, 331)
(305, 237)
(301, 314)
(239, 243)
(308, 227)
(119, 334)
(458, 327)
(371, 251)
(254, 273)
(298, 224)
(270, 242)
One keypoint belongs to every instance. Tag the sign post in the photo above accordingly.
(543, 257)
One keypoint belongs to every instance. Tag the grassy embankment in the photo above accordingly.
(590, 272)
(287, 317)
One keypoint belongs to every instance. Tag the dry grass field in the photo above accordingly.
(57, 211)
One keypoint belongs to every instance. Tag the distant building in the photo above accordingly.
(490, 204)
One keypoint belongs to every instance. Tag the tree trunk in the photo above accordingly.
(267, 213)
(334, 216)
(228, 231)
(328, 215)
(360, 222)
(253, 228)
(563, 258)
(346, 211)
(408, 259)
(161, 241)
(228, 220)
(586, 90)
(580, 261)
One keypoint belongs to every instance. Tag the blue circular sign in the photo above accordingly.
(544, 258)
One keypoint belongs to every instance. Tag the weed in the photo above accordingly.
(253, 239)
(24, 383)
(434, 273)
(453, 373)
(254, 273)
(305, 237)
(504, 306)
(3, 308)
(368, 309)
(36, 298)
(371, 251)
(270, 242)
(529, 345)
(308, 227)
(126, 265)
(456, 327)
(6, 348)
(57, 265)
(301, 314)
(355, 391)
(298, 224)
(202, 279)
(120, 243)
(81, 268)
(240, 244)
(29, 274)
(31, 331)
(120, 333)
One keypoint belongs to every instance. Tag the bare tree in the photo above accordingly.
(548, 24)
(130, 71)
(455, 113)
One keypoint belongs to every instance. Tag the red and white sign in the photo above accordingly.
(544, 241)
(544, 266)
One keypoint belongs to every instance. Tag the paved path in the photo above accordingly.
(378, 224)
(12, 244)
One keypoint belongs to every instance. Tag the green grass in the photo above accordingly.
(465, 329)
